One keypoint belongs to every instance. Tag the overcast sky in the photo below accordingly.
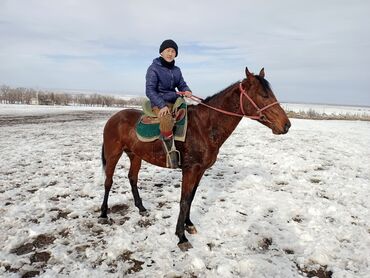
(312, 51)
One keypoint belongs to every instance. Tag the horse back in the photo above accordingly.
(123, 120)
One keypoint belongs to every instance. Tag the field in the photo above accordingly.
(272, 206)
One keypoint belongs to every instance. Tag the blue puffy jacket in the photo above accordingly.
(161, 83)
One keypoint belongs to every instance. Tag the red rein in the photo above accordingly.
(243, 92)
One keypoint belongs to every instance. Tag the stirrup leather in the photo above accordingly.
(173, 156)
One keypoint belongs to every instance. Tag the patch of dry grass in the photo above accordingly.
(313, 115)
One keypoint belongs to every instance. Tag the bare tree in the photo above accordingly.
(22, 95)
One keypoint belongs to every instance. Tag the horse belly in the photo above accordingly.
(151, 152)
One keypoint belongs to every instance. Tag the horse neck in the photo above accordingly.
(222, 125)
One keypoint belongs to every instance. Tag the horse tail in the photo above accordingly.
(104, 162)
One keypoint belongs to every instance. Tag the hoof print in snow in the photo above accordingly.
(321, 272)
(144, 223)
(123, 220)
(64, 233)
(40, 257)
(39, 242)
(121, 209)
(57, 198)
(265, 243)
(61, 214)
(32, 273)
(43, 240)
(135, 264)
(315, 180)
(23, 249)
(297, 219)
(106, 221)
(161, 204)
(10, 269)
(321, 195)
(211, 246)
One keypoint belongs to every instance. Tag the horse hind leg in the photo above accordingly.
(110, 162)
(133, 178)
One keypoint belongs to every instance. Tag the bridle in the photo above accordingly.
(243, 92)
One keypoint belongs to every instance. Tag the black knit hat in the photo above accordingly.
(167, 44)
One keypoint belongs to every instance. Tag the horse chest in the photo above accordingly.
(203, 154)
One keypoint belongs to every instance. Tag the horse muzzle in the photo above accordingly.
(283, 130)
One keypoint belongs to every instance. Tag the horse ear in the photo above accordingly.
(247, 73)
(262, 73)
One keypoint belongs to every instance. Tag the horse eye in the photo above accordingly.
(265, 94)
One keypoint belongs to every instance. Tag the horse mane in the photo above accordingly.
(265, 84)
(219, 93)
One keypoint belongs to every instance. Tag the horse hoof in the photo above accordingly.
(191, 229)
(185, 246)
(144, 213)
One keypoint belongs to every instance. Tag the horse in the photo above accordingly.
(210, 123)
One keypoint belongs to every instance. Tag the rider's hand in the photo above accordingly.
(163, 111)
(188, 93)
(185, 93)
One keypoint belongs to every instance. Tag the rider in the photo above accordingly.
(162, 79)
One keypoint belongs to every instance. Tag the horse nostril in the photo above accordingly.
(287, 126)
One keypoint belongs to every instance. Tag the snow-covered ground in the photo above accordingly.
(271, 206)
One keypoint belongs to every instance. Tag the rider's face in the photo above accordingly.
(169, 54)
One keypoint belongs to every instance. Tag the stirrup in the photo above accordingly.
(173, 156)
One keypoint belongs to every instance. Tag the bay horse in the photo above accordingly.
(209, 125)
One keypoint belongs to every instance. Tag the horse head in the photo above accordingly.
(262, 102)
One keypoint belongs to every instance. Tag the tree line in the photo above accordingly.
(22, 95)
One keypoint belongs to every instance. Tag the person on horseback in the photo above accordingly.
(162, 79)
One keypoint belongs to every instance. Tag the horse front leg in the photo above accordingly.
(189, 226)
(184, 243)
(190, 182)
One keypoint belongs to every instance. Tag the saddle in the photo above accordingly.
(147, 128)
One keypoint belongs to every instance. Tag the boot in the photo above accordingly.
(172, 155)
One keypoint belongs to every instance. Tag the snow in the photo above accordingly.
(270, 205)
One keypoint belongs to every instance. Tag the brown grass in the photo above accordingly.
(313, 115)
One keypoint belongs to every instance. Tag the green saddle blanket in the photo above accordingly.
(147, 129)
